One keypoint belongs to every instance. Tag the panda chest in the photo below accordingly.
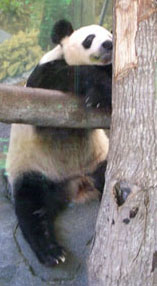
(68, 155)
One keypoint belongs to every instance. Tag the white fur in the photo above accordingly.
(76, 54)
(54, 54)
(73, 51)
(53, 154)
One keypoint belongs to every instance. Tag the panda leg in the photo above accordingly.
(37, 202)
(99, 176)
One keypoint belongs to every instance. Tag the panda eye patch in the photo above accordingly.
(88, 41)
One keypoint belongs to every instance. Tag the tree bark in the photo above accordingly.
(48, 108)
(124, 250)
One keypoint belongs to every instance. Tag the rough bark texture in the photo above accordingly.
(47, 108)
(125, 38)
(124, 250)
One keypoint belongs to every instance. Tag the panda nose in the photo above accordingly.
(107, 45)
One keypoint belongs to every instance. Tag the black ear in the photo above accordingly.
(60, 30)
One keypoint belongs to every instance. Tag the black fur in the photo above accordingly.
(88, 41)
(93, 83)
(108, 45)
(60, 30)
(38, 200)
(99, 176)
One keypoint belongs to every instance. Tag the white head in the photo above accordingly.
(89, 45)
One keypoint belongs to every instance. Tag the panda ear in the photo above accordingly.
(60, 30)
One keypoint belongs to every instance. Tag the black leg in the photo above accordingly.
(37, 202)
(99, 176)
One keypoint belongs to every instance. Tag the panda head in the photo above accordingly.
(89, 45)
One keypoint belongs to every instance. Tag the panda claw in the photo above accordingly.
(98, 105)
(62, 258)
(56, 261)
(87, 99)
(64, 252)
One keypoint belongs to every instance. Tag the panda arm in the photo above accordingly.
(36, 78)
(96, 86)
(98, 97)
(52, 75)
(93, 83)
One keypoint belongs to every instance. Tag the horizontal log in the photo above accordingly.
(42, 107)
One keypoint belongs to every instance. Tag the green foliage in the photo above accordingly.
(3, 142)
(53, 11)
(12, 6)
(19, 54)
(2, 163)
(108, 22)
(16, 15)
(108, 17)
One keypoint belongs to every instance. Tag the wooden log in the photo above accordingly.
(42, 107)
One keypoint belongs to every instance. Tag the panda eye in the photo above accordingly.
(88, 41)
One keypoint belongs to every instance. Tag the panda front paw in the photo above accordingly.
(94, 98)
(52, 255)
(91, 103)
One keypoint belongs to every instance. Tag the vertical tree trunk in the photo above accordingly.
(124, 251)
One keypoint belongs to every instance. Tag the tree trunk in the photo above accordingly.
(124, 250)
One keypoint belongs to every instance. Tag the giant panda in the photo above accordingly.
(49, 167)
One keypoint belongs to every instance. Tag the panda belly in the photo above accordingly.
(47, 169)
(57, 154)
